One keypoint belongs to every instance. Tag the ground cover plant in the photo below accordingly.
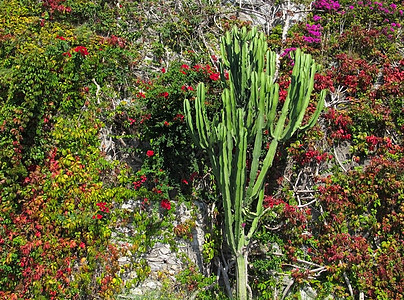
(92, 118)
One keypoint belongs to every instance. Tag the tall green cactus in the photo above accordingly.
(250, 103)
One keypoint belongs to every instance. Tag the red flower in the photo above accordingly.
(166, 123)
(184, 181)
(150, 153)
(178, 117)
(82, 245)
(163, 70)
(83, 50)
(99, 216)
(165, 204)
(214, 76)
(67, 54)
(60, 38)
(164, 94)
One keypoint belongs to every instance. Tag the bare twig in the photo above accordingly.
(273, 228)
(97, 93)
(348, 283)
(338, 161)
(286, 290)
(307, 204)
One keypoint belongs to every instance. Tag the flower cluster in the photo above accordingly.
(81, 49)
(103, 207)
(113, 40)
(137, 184)
(179, 117)
(303, 156)
(328, 5)
(287, 51)
(214, 76)
(339, 124)
(314, 32)
(165, 204)
(54, 5)
(187, 88)
(164, 95)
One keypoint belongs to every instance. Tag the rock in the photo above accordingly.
(124, 260)
(151, 285)
(136, 291)
(308, 293)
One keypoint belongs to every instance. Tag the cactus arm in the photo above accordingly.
(256, 151)
(316, 114)
(202, 123)
(271, 111)
(255, 221)
(240, 171)
(189, 120)
(267, 163)
(298, 106)
(224, 184)
(253, 96)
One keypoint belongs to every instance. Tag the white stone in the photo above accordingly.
(136, 291)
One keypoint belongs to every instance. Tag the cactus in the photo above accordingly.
(250, 102)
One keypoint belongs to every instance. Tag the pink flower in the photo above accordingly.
(150, 153)
(165, 204)
(82, 245)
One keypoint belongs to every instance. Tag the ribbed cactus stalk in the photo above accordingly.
(250, 103)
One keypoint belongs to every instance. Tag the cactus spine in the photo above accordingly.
(250, 103)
